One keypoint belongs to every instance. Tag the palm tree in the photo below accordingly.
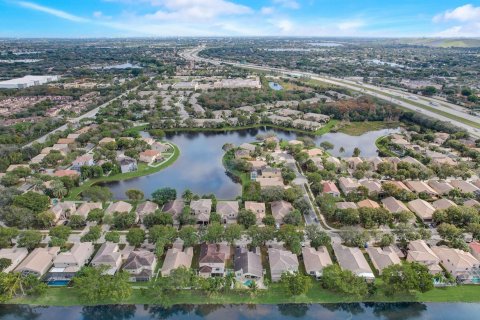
(229, 281)
(187, 195)
(38, 184)
(58, 189)
(253, 286)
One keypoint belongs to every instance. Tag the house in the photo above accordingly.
(175, 208)
(106, 140)
(280, 209)
(256, 207)
(247, 146)
(471, 203)
(120, 206)
(422, 209)
(201, 209)
(149, 156)
(462, 265)
(315, 260)
(372, 186)
(318, 162)
(442, 204)
(212, 259)
(352, 259)
(345, 205)
(270, 182)
(330, 188)
(67, 173)
(248, 264)
(374, 162)
(383, 257)
(419, 251)
(66, 141)
(140, 265)
(400, 185)
(73, 136)
(38, 158)
(228, 211)
(242, 154)
(127, 164)
(176, 258)
(474, 249)
(269, 172)
(314, 152)
(393, 205)
(440, 187)
(281, 261)
(257, 164)
(367, 203)
(38, 262)
(316, 117)
(420, 187)
(67, 264)
(108, 255)
(145, 208)
(160, 147)
(353, 162)
(335, 161)
(63, 210)
(86, 207)
(15, 255)
(465, 186)
(348, 185)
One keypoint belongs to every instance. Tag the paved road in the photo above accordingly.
(379, 92)
(90, 114)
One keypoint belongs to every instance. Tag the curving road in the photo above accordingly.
(433, 108)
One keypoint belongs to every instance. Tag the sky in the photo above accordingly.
(167, 18)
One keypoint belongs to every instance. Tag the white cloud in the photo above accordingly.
(464, 13)
(350, 25)
(97, 14)
(51, 11)
(284, 25)
(291, 4)
(267, 10)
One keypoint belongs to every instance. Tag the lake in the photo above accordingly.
(275, 86)
(200, 169)
(358, 311)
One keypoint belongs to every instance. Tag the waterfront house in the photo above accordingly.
(348, 185)
(108, 255)
(80, 161)
(281, 261)
(420, 252)
(15, 255)
(127, 164)
(145, 208)
(140, 265)
(315, 260)
(248, 264)
(258, 208)
(149, 156)
(175, 208)
(119, 206)
(383, 257)
(38, 262)
(352, 259)
(460, 264)
(67, 264)
(212, 259)
(175, 258)
(201, 209)
(228, 211)
(86, 207)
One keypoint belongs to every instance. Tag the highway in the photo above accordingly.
(433, 108)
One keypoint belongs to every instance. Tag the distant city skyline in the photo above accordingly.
(166, 18)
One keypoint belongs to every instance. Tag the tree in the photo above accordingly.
(260, 235)
(355, 238)
(187, 195)
(33, 201)
(97, 193)
(247, 218)
(386, 240)
(95, 215)
(134, 194)
(448, 231)
(296, 283)
(5, 263)
(123, 220)
(405, 277)
(318, 237)
(429, 91)
(135, 236)
(327, 145)
(29, 239)
(214, 233)
(189, 236)
(76, 221)
(163, 195)
(93, 234)
(232, 233)
(112, 236)
(62, 232)
(356, 152)
(14, 284)
(93, 285)
(343, 281)
(58, 189)
(6, 236)
(294, 218)
(46, 219)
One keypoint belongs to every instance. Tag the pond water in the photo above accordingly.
(358, 311)
(127, 65)
(200, 169)
(275, 86)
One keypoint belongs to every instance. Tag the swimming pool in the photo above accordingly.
(58, 283)
(248, 283)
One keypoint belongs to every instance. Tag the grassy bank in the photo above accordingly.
(274, 295)
(359, 128)
(379, 143)
(143, 170)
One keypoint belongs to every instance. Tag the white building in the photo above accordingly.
(27, 81)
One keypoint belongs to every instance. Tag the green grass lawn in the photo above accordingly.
(381, 147)
(143, 170)
(359, 128)
(274, 295)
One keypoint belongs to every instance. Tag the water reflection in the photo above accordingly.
(200, 169)
(389, 311)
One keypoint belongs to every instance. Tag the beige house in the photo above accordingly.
(393, 205)
(140, 265)
(281, 261)
(201, 209)
(348, 185)
(68, 263)
(422, 209)
(269, 172)
(270, 182)
(346, 205)
(315, 260)
(372, 185)
(440, 187)
(175, 258)
(442, 204)
(108, 255)
(106, 140)
(86, 207)
(38, 262)
(420, 187)
(63, 210)
(256, 207)
(367, 203)
(120, 206)
(420, 252)
(175, 208)
(212, 259)
(280, 209)
(145, 208)
(352, 259)
(383, 257)
(149, 156)
(228, 211)
(15, 255)
(462, 265)
(465, 186)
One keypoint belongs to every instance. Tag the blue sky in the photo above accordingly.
(126, 18)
